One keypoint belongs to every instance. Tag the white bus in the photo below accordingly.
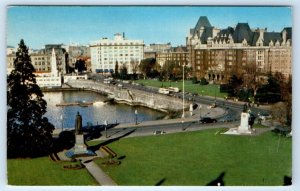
(173, 89)
(163, 91)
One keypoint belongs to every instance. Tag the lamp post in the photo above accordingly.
(105, 126)
(136, 113)
(62, 122)
(182, 90)
(215, 95)
(200, 110)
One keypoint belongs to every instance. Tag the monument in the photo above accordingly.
(80, 147)
(244, 128)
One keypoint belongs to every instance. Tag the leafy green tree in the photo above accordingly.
(29, 134)
(269, 92)
(234, 86)
(146, 66)
(80, 65)
(203, 81)
(167, 69)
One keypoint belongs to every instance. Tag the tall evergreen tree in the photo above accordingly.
(29, 134)
(116, 70)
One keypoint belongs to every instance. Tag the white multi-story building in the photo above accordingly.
(49, 79)
(106, 52)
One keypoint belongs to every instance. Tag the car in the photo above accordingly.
(207, 120)
(264, 116)
(158, 132)
(214, 105)
(228, 118)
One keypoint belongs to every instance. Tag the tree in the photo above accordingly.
(269, 92)
(146, 66)
(124, 72)
(234, 86)
(286, 95)
(203, 81)
(116, 70)
(134, 65)
(80, 65)
(29, 134)
(167, 69)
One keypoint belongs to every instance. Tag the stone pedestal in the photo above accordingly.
(244, 127)
(80, 147)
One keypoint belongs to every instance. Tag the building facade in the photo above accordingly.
(178, 55)
(52, 78)
(106, 52)
(77, 52)
(217, 54)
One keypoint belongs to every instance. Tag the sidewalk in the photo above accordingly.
(205, 112)
(100, 176)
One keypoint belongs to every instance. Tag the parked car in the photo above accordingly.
(264, 116)
(207, 120)
(214, 105)
(228, 118)
(158, 132)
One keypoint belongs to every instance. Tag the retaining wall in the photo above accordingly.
(132, 96)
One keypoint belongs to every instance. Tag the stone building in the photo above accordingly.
(106, 52)
(178, 55)
(217, 54)
(51, 78)
(77, 52)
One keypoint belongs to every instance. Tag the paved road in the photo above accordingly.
(234, 108)
(132, 130)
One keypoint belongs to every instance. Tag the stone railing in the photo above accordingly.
(132, 96)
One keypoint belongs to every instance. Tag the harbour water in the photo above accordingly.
(96, 113)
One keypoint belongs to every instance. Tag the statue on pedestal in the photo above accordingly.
(78, 124)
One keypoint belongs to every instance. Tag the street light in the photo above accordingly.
(62, 122)
(182, 90)
(200, 110)
(105, 126)
(136, 113)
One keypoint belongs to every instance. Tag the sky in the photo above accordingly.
(40, 25)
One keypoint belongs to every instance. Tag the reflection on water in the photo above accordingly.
(96, 113)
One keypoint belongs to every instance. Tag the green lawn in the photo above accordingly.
(207, 90)
(43, 171)
(197, 158)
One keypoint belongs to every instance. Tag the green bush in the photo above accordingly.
(203, 81)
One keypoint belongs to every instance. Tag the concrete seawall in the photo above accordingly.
(132, 96)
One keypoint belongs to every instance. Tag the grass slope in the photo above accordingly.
(42, 171)
(206, 90)
(197, 158)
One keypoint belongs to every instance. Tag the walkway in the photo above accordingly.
(100, 176)
(205, 112)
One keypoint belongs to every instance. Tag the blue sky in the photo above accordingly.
(40, 25)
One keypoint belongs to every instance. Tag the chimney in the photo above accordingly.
(284, 35)
(261, 33)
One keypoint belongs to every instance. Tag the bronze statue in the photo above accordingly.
(78, 124)
(245, 108)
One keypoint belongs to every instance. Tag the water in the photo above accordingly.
(94, 114)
